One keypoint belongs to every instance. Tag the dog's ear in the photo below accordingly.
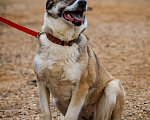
(49, 4)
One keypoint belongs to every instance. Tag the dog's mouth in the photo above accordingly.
(76, 17)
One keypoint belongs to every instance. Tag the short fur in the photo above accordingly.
(82, 88)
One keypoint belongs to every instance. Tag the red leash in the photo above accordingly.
(36, 34)
(19, 27)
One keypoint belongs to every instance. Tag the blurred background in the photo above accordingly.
(119, 33)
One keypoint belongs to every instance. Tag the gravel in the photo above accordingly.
(119, 33)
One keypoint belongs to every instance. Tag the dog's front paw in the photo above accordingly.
(62, 117)
(70, 118)
(46, 116)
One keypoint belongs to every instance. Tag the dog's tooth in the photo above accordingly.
(76, 21)
(68, 15)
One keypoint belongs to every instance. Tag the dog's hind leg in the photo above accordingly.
(111, 103)
(44, 95)
(116, 115)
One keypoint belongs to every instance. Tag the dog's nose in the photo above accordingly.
(82, 3)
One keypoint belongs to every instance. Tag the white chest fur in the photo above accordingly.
(58, 63)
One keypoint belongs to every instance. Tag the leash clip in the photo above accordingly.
(39, 34)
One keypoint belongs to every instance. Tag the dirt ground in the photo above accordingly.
(119, 33)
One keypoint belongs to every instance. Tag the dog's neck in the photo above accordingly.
(62, 30)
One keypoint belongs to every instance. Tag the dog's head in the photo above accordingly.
(66, 15)
(72, 11)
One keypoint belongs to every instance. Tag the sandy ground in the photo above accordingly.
(119, 33)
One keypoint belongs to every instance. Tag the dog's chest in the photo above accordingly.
(58, 69)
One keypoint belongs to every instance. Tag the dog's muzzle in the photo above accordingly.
(76, 16)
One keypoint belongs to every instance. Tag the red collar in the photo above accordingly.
(58, 41)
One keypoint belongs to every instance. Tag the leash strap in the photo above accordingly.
(36, 34)
(19, 27)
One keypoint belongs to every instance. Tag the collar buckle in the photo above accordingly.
(39, 34)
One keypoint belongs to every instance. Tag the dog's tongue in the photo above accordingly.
(77, 16)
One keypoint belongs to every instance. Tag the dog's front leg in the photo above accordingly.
(77, 102)
(44, 95)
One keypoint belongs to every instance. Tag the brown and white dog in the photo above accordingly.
(67, 67)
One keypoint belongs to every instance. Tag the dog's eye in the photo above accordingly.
(49, 4)
(69, 2)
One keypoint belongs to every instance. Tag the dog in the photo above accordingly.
(67, 67)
